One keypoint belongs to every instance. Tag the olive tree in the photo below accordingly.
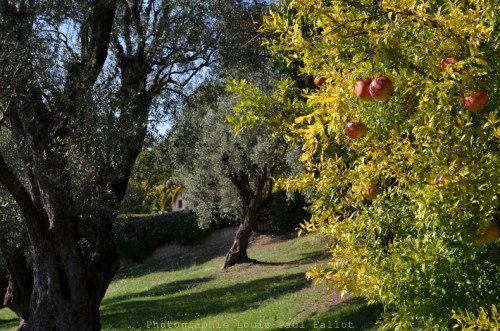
(79, 82)
(224, 172)
(222, 167)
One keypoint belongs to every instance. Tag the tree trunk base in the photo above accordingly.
(238, 252)
(3, 287)
(19, 284)
(236, 258)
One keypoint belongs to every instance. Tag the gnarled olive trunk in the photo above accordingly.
(18, 283)
(238, 252)
(67, 292)
(68, 278)
(3, 286)
(251, 199)
(76, 141)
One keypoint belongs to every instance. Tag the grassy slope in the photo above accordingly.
(273, 295)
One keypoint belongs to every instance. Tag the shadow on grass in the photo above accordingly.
(354, 314)
(305, 259)
(176, 264)
(11, 323)
(127, 312)
(190, 255)
(147, 268)
(161, 290)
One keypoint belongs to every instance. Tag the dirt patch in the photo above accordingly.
(329, 299)
(262, 240)
(215, 246)
(332, 298)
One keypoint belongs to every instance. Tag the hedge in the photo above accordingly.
(138, 239)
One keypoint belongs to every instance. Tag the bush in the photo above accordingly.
(421, 246)
(284, 213)
(131, 217)
(138, 239)
(483, 321)
(223, 220)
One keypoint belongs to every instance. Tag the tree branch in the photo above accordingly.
(19, 192)
(103, 15)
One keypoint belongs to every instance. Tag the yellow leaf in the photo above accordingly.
(482, 62)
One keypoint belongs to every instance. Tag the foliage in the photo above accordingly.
(414, 247)
(201, 140)
(210, 145)
(150, 189)
(285, 212)
(483, 321)
(130, 217)
(137, 239)
(240, 50)
(223, 220)
(81, 84)
(256, 106)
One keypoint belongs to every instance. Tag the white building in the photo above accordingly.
(178, 203)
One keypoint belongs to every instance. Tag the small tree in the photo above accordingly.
(407, 187)
(224, 172)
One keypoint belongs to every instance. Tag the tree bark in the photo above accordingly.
(251, 200)
(66, 293)
(238, 252)
(19, 283)
(3, 286)
(74, 258)
(68, 278)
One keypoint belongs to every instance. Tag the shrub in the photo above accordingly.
(418, 245)
(223, 220)
(284, 213)
(131, 217)
(137, 239)
(483, 321)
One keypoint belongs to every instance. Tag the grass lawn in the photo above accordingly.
(271, 295)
